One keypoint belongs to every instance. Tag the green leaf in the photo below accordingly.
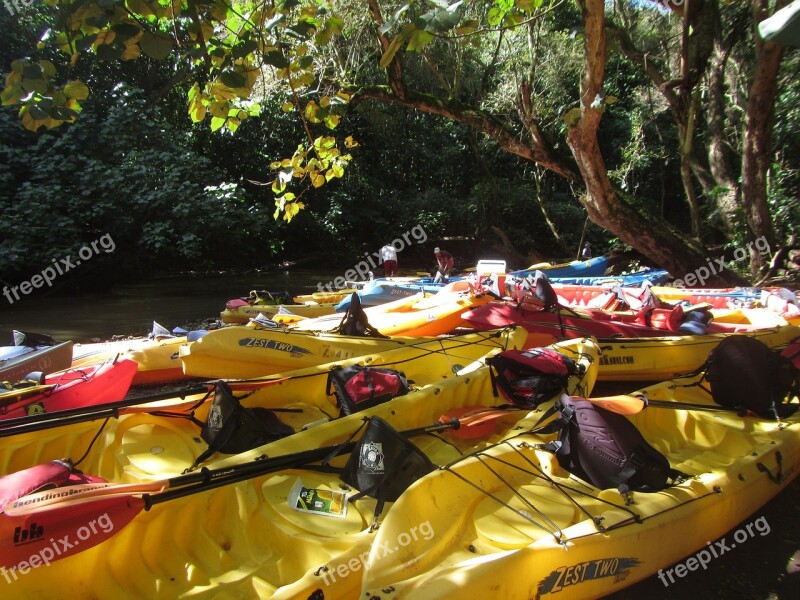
(61, 113)
(125, 31)
(233, 80)
(34, 85)
(33, 71)
(99, 21)
(37, 113)
(303, 29)
(571, 117)
(216, 123)
(12, 95)
(155, 47)
(276, 59)
(494, 16)
(76, 90)
(85, 42)
(244, 48)
(48, 68)
(440, 20)
(418, 39)
(110, 52)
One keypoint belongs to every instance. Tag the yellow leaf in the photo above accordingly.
(14, 78)
(287, 107)
(218, 109)
(317, 180)
(387, 57)
(132, 51)
(331, 121)
(349, 142)
(198, 113)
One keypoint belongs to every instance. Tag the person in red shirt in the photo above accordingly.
(445, 260)
(389, 257)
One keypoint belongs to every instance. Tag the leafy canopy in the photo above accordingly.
(234, 51)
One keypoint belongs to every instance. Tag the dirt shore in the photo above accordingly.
(763, 568)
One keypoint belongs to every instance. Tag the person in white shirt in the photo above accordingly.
(389, 257)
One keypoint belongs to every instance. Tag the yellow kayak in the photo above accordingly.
(661, 358)
(242, 314)
(417, 315)
(243, 352)
(243, 540)
(510, 523)
(158, 358)
(324, 297)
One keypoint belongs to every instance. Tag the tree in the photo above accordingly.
(317, 57)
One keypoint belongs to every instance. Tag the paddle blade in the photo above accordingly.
(32, 538)
(623, 405)
(476, 422)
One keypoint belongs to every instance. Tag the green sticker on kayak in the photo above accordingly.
(329, 503)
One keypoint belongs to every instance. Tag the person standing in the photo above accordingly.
(389, 257)
(445, 260)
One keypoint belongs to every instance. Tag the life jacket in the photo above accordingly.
(53, 474)
(357, 388)
(604, 448)
(528, 378)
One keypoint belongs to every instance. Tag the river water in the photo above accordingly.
(131, 309)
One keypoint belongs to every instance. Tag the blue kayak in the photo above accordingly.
(656, 277)
(380, 291)
(594, 267)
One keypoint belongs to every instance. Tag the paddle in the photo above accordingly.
(632, 404)
(49, 420)
(63, 521)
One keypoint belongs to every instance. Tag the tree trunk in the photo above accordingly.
(687, 144)
(652, 237)
(720, 154)
(620, 214)
(538, 177)
(758, 139)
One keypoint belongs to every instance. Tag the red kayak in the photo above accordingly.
(75, 388)
(559, 322)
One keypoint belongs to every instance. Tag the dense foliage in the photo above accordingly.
(284, 101)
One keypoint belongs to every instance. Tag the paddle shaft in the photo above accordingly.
(207, 479)
(49, 420)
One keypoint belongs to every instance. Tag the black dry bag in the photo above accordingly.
(745, 374)
(232, 428)
(384, 464)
